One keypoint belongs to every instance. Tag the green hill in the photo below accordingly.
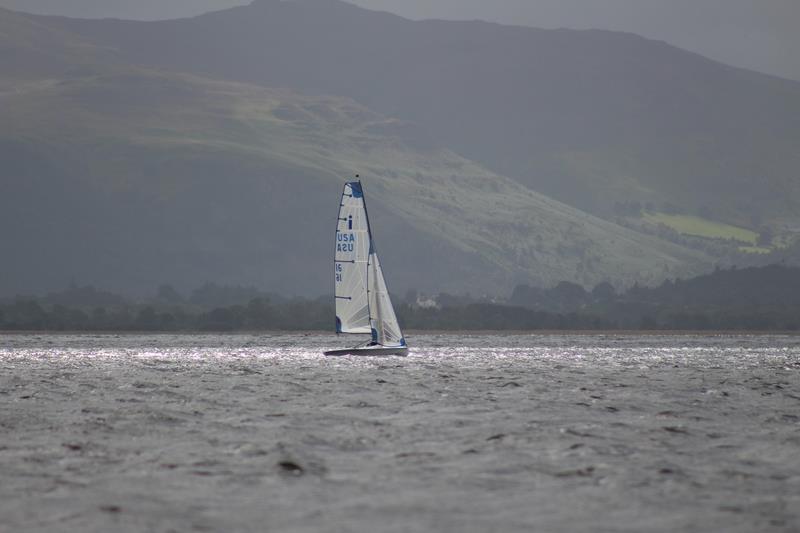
(591, 118)
(31, 49)
(130, 177)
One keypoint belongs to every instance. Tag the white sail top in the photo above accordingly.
(362, 299)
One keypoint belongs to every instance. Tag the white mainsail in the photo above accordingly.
(351, 262)
(363, 304)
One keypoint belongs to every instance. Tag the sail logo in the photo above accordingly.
(346, 242)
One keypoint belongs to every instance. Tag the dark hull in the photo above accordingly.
(371, 351)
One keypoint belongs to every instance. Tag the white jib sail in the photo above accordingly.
(385, 328)
(351, 263)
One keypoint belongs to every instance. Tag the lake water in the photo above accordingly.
(470, 433)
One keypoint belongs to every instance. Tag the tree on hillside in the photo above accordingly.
(765, 236)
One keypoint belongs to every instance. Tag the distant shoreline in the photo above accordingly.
(419, 333)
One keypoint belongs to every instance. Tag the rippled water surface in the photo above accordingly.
(469, 433)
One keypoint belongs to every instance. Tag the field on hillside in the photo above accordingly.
(701, 227)
(754, 250)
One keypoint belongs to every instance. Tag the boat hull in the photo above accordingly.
(371, 351)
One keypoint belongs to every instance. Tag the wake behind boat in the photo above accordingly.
(363, 305)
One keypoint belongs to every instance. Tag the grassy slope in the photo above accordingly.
(32, 50)
(587, 117)
(191, 172)
(700, 227)
(128, 177)
(736, 184)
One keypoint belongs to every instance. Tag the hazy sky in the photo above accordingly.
(759, 34)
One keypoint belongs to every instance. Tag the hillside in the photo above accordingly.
(32, 50)
(591, 118)
(126, 177)
(142, 178)
(124, 9)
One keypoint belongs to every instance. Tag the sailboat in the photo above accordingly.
(363, 305)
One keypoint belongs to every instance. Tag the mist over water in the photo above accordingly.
(469, 433)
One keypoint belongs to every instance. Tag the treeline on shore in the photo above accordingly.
(765, 299)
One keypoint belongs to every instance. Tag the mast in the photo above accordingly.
(370, 261)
